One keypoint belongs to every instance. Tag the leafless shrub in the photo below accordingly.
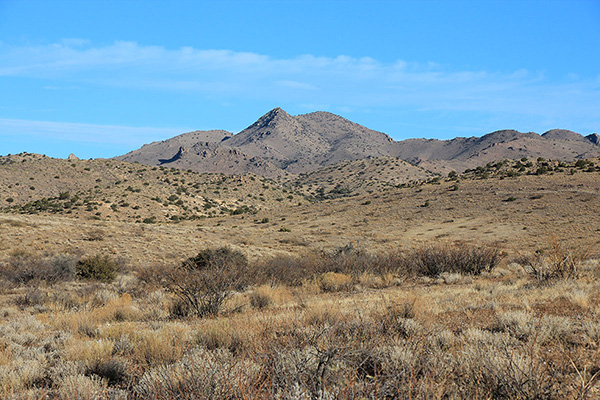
(290, 270)
(294, 269)
(24, 267)
(557, 262)
(260, 299)
(32, 297)
(335, 282)
(203, 283)
(433, 260)
(496, 366)
(63, 267)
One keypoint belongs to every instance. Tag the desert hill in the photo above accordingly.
(279, 145)
(275, 144)
(352, 178)
(201, 151)
(117, 190)
(172, 146)
(466, 153)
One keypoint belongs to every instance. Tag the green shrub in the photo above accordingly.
(581, 163)
(98, 267)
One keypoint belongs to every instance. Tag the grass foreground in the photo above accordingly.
(316, 326)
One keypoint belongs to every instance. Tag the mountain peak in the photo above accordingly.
(562, 134)
(276, 112)
(276, 115)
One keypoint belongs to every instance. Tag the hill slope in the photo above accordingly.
(121, 191)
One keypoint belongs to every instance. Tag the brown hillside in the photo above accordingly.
(117, 190)
(351, 178)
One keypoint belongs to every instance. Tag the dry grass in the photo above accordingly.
(499, 335)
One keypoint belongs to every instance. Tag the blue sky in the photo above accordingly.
(100, 78)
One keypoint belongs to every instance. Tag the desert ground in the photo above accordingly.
(123, 281)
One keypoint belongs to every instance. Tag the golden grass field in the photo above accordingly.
(333, 303)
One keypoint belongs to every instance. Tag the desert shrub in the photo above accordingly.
(95, 235)
(203, 283)
(433, 260)
(201, 374)
(289, 270)
(63, 267)
(32, 297)
(581, 163)
(113, 370)
(220, 334)
(348, 260)
(261, 298)
(98, 267)
(23, 267)
(81, 387)
(557, 262)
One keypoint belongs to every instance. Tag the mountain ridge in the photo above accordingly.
(279, 144)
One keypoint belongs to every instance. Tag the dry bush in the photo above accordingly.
(32, 297)
(293, 270)
(265, 296)
(201, 374)
(541, 329)
(433, 260)
(261, 297)
(220, 334)
(557, 262)
(162, 346)
(23, 267)
(81, 387)
(113, 371)
(203, 283)
(288, 270)
(94, 235)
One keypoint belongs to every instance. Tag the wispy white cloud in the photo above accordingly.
(88, 133)
(340, 81)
